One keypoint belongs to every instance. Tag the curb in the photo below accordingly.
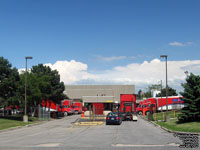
(170, 131)
(89, 123)
(98, 118)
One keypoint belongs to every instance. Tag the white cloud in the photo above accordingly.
(71, 71)
(180, 44)
(22, 70)
(176, 44)
(150, 73)
(140, 74)
(112, 58)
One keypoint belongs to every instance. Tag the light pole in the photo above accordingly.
(25, 118)
(161, 96)
(166, 117)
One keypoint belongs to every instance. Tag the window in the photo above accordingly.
(107, 106)
(127, 104)
(175, 100)
(65, 106)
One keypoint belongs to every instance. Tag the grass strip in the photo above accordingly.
(182, 127)
(9, 122)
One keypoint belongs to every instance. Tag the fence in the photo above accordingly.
(2, 113)
(44, 114)
(161, 115)
(5, 112)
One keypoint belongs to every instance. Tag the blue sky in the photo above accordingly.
(103, 34)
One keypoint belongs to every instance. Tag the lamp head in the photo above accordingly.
(28, 57)
(163, 56)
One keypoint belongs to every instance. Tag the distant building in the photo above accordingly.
(106, 96)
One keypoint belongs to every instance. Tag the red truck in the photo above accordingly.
(77, 107)
(67, 107)
(158, 104)
(51, 106)
(174, 102)
(139, 109)
(128, 106)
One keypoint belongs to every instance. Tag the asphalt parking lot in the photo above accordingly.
(64, 134)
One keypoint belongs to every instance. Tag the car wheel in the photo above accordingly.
(65, 113)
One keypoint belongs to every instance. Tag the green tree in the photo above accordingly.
(150, 88)
(154, 87)
(140, 94)
(171, 92)
(9, 78)
(191, 94)
(148, 94)
(33, 91)
(42, 84)
(49, 83)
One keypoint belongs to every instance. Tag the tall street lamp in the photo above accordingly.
(161, 96)
(25, 118)
(166, 117)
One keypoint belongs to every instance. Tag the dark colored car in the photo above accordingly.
(113, 118)
(128, 116)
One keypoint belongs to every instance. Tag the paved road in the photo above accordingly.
(61, 135)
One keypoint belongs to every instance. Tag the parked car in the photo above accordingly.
(113, 118)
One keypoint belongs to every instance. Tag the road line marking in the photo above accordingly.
(49, 145)
(88, 123)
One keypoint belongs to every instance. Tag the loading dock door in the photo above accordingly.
(98, 108)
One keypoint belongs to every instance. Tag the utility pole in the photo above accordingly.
(166, 117)
(25, 118)
(161, 98)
